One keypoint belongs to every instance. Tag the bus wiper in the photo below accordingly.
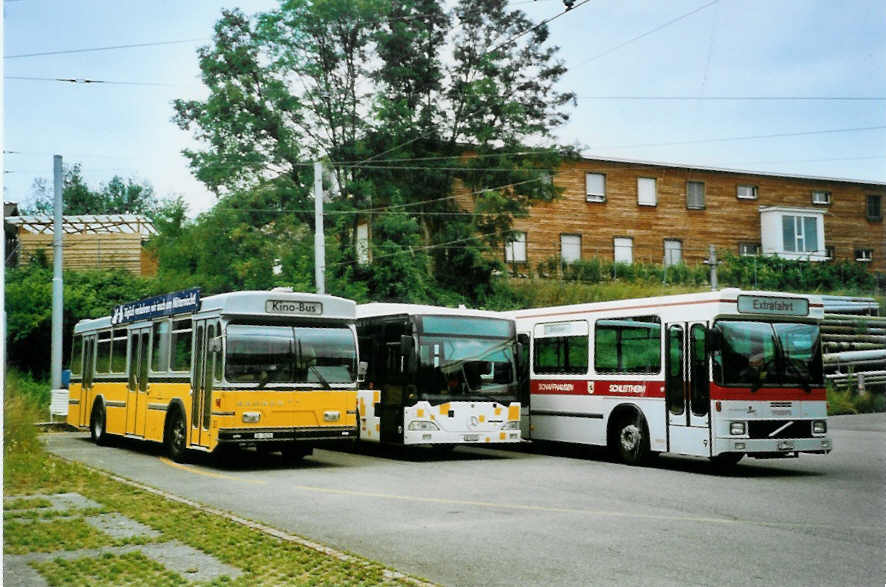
(319, 375)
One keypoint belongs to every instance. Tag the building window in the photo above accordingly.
(646, 192)
(695, 195)
(793, 233)
(748, 249)
(875, 208)
(746, 192)
(821, 197)
(624, 249)
(363, 244)
(800, 233)
(515, 250)
(595, 186)
(570, 247)
(673, 252)
(864, 255)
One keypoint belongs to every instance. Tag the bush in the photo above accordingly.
(848, 401)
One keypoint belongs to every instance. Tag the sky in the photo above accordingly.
(616, 51)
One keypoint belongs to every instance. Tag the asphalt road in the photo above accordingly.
(558, 515)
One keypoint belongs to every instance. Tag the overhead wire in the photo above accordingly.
(647, 33)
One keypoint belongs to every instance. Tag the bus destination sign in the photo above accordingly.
(773, 306)
(294, 307)
(177, 302)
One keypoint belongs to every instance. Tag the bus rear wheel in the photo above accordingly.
(631, 440)
(177, 437)
(97, 425)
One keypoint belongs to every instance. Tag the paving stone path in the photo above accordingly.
(190, 563)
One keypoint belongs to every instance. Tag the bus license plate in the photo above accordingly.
(264, 435)
(472, 437)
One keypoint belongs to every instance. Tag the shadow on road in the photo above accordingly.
(747, 467)
(425, 454)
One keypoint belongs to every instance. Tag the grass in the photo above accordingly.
(849, 401)
(126, 569)
(30, 471)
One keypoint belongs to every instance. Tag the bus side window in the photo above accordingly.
(160, 347)
(219, 355)
(118, 351)
(77, 356)
(103, 352)
(180, 346)
(700, 399)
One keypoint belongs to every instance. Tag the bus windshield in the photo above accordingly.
(762, 354)
(283, 354)
(479, 366)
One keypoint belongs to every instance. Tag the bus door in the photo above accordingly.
(201, 380)
(86, 381)
(687, 398)
(137, 383)
(523, 362)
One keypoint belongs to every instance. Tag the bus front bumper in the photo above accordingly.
(438, 437)
(774, 447)
(277, 435)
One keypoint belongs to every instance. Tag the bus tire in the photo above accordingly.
(631, 439)
(98, 424)
(176, 436)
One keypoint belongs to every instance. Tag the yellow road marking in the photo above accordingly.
(209, 473)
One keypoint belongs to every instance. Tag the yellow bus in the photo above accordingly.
(276, 370)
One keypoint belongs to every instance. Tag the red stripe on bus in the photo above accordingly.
(767, 394)
(599, 388)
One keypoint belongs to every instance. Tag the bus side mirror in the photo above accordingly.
(362, 367)
(215, 344)
(518, 356)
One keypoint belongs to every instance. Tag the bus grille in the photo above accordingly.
(765, 429)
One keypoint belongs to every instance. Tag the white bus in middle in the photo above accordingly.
(437, 376)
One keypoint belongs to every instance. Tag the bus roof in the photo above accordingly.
(723, 296)
(278, 302)
(377, 309)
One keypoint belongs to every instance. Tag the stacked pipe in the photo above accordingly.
(854, 349)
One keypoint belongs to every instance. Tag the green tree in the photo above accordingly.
(392, 94)
(118, 196)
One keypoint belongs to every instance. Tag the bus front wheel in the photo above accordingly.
(97, 421)
(631, 440)
(177, 437)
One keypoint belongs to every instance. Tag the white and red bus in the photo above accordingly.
(719, 374)
(437, 376)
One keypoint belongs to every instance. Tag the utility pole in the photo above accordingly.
(319, 241)
(57, 284)
(712, 261)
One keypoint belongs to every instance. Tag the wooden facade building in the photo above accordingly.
(635, 211)
(90, 242)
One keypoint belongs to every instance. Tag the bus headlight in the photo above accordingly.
(424, 425)
(819, 427)
(512, 425)
(251, 417)
(737, 428)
